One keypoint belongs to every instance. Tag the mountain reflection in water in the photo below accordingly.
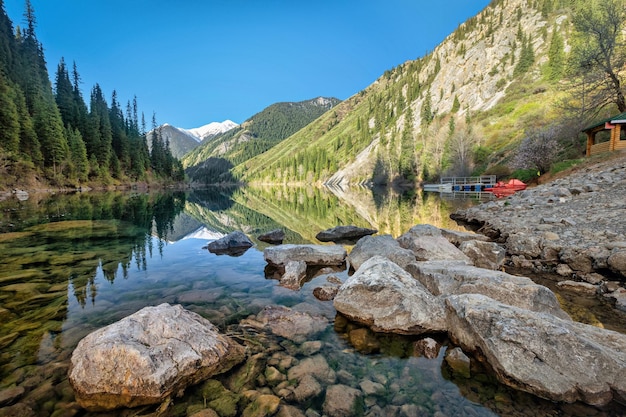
(72, 263)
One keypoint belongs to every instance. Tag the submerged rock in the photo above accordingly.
(290, 324)
(342, 401)
(344, 233)
(148, 356)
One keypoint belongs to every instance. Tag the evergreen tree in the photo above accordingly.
(64, 95)
(100, 126)
(556, 56)
(119, 137)
(9, 119)
(526, 57)
(78, 154)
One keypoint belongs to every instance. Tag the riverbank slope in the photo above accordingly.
(572, 224)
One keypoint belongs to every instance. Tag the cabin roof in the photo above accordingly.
(617, 119)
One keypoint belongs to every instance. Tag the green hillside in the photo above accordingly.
(208, 162)
(477, 104)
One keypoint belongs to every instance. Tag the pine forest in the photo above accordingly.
(50, 135)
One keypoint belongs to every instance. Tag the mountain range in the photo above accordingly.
(214, 158)
(463, 109)
(182, 141)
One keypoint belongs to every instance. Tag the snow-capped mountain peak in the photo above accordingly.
(210, 130)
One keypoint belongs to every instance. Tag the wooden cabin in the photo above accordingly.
(607, 135)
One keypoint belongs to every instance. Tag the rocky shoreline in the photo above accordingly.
(573, 226)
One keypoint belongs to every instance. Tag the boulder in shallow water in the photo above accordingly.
(273, 237)
(539, 353)
(445, 278)
(233, 244)
(311, 254)
(385, 297)
(344, 233)
(146, 357)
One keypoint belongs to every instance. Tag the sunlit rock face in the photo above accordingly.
(148, 356)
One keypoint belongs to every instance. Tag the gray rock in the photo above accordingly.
(341, 401)
(578, 287)
(343, 233)
(293, 325)
(539, 353)
(148, 356)
(445, 278)
(457, 237)
(311, 254)
(315, 366)
(488, 255)
(289, 411)
(524, 244)
(370, 387)
(427, 348)
(295, 273)
(428, 244)
(458, 361)
(382, 245)
(307, 388)
(326, 292)
(274, 237)
(564, 270)
(617, 261)
(234, 244)
(383, 296)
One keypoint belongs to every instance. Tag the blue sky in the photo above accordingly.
(193, 62)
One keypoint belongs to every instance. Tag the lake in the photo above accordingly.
(72, 263)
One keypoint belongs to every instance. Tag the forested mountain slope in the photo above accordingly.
(504, 75)
(253, 137)
(50, 137)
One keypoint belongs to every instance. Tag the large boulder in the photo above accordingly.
(233, 244)
(344, 233)
(311, 254)
(560, 360)
(385, 297)
(428, 244)
(444, 278)
(148, 356)
(382, 245)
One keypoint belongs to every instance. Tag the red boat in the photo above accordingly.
(503, 189)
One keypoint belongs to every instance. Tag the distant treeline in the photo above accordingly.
(52, 134)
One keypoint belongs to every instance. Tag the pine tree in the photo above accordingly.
(9, 122)
(556, 56)
(78, 154)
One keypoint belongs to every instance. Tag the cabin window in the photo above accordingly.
(622, 132)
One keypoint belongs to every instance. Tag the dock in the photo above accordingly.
(462, 184)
